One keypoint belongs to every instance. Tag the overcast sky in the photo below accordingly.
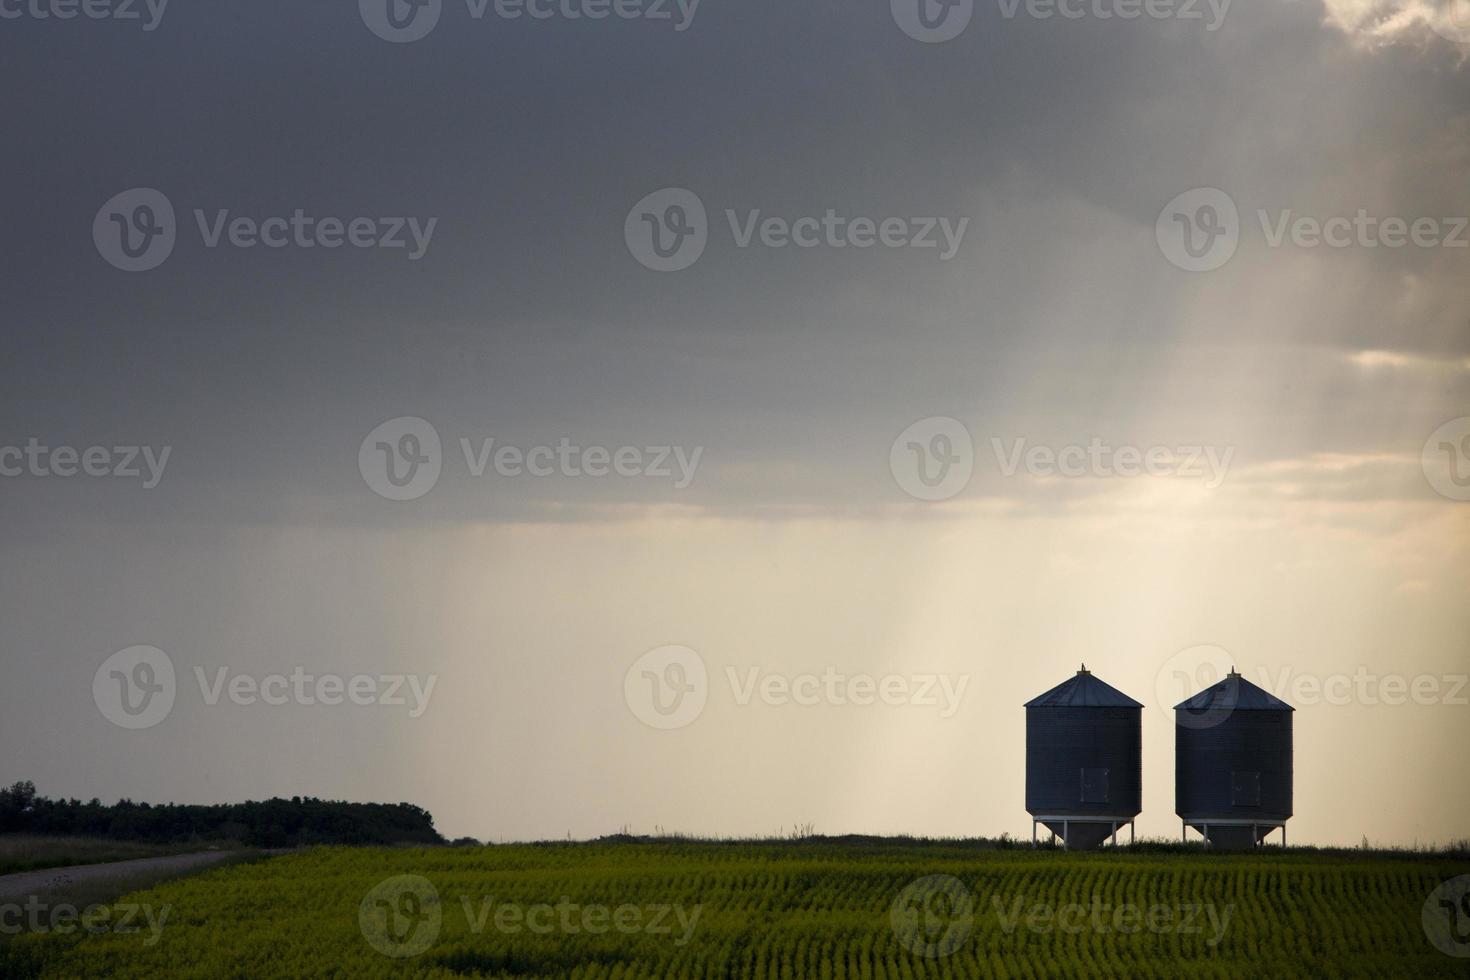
(783, 502)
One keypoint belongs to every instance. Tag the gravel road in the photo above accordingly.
(35, 882)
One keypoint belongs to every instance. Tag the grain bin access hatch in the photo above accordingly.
(1084, 761)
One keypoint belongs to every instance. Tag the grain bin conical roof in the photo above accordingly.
(1083, 691)
(1234, 693)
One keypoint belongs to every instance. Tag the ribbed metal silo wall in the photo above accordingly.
(1213, 765)
(1062, 742)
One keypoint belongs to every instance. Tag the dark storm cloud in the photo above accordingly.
(527, 320)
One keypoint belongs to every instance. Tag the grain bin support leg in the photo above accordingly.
(1033, 833)
(1066, 836)
(1132, 831)
(1115, 833)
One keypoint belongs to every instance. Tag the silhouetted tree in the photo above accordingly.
(268, 823)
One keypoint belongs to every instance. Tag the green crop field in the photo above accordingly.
(818, 909)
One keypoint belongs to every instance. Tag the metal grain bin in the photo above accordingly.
(1084, 761)
(1233, 763)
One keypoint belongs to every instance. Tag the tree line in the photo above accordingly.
(268, 823)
